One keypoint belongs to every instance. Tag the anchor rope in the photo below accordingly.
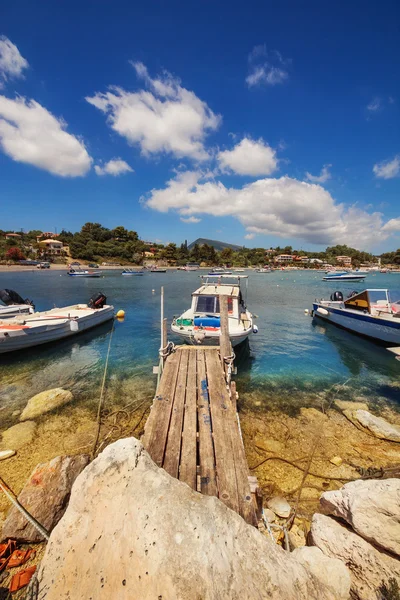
(14, 500)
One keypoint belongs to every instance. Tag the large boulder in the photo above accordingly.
(45, 402)
(371, 507)
(133, 532)
(45, 496)
(369, 567)
(375, 425)
(19, 435)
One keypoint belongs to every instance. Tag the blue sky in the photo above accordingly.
(256, 123)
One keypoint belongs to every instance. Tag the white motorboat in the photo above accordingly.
(371, 313)
(264, 270)
(219, 271)
(191, 267)
(201, 323)
(345, 276)
(84, 273)
(14, 305)
(52, 325)
(128, 272)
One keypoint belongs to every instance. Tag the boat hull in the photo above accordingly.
(36, 336)
(210, 339)
(344, 278)
(380, 330)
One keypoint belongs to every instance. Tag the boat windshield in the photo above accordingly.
(210, 304)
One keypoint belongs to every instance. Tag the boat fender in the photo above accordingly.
(255, 329)
(322, 311)
(120, 314)
(74, 325)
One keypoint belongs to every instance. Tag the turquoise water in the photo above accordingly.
(291, 362)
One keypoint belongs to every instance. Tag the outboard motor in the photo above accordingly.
(9, 297)
(337, 297)
(97, 301)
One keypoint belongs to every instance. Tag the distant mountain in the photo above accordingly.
(215, 243)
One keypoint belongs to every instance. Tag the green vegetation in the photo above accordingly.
(95, 243)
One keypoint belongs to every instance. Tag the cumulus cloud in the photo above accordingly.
(164, 118)
(249, 236)
(266, 68)
(115, 167)
(322, 177)
(249, 157)
(375, 105)
(31, 134)
(190, 220)
(284, 207)
(12, 64)
(392, 226)
(388, 168)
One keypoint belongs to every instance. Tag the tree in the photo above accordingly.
(14, 253)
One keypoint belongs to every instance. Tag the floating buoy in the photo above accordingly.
(120, 314)
(306, 311)
(153, 291)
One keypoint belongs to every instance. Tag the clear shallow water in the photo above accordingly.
(291, 362)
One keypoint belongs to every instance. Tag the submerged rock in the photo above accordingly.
(349, 405)
(132, 531)
(371, 507)
(279, 506)
(336, 460)
(45, 402)
(375, 425)
(369, 567)
(19, 435)
(45, 496)
(4, 454)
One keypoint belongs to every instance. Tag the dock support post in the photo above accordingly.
(225, 343)
(164, 330)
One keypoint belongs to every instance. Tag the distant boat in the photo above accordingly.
(219, 271)
(157, 270)
(84, 273)
(264, 270)
(14, 305)
(52, 325)
(346, 276)
(191, 267)
(132, 272)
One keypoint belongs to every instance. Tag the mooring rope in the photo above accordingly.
(101, 399)
(14, 500)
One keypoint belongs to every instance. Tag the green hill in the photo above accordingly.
(215, 244)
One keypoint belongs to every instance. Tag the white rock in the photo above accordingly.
(269, 515)
(45, 402)
(4, 454)
(133, 532)
(280, 506)
(369, 567)
(378, 426)
(371, 507)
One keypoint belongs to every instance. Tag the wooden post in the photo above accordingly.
(225, 343)
(164, 334)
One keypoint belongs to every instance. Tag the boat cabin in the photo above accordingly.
(372, 301)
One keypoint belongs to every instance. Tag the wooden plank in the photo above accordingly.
(188, 464)
(225, 343)
(221, 414)
(156, 430)
(173, 447)
(206, 446)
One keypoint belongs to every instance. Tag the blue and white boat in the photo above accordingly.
(345, 276)
(373, 313)
(128, 272)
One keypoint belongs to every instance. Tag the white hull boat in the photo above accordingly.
(80, 273)
(14, 305)
(370, 313)
(345, 277)
(200, 324)
(131, 272)
(50, 326)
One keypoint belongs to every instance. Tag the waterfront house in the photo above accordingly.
(344, 260)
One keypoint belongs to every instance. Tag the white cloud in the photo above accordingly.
(249, 236)
(266, 68)
(115, 167)
(165, 118)
(322, 177)
(375, 105)
(31, 134)
(284, 207)
(190, 220)
(392, 225)
(12, 64)
(249, 157)
(388, 168)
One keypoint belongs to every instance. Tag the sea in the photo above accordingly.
(290, 363)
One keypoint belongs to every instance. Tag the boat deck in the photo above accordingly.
(193, 430)
(53, 316)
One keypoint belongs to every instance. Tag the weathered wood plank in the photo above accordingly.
(206, 445)
(188, 466)
(225, 342)
(174, 439)
(221, 414)
(156, 430)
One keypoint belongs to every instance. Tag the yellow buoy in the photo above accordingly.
(120, 314)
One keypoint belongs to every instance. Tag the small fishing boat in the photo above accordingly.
(128, 272)
(345, 276)
(14, 305)
(371, 313)
(219, 271)
(157, 270)
(201, 323)
(84, 273)
(264, 270)
(191, 267)
(26, 331)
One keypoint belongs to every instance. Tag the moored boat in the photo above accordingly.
(191, 266)
(201, 323)
(372, 313)
(157, 270)
(128, 272)
(84, 273)
(264, 270)
(50, 326)
(14, 305)
(219, 271)
(345, 276)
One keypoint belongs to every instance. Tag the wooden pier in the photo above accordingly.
(193, 430)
